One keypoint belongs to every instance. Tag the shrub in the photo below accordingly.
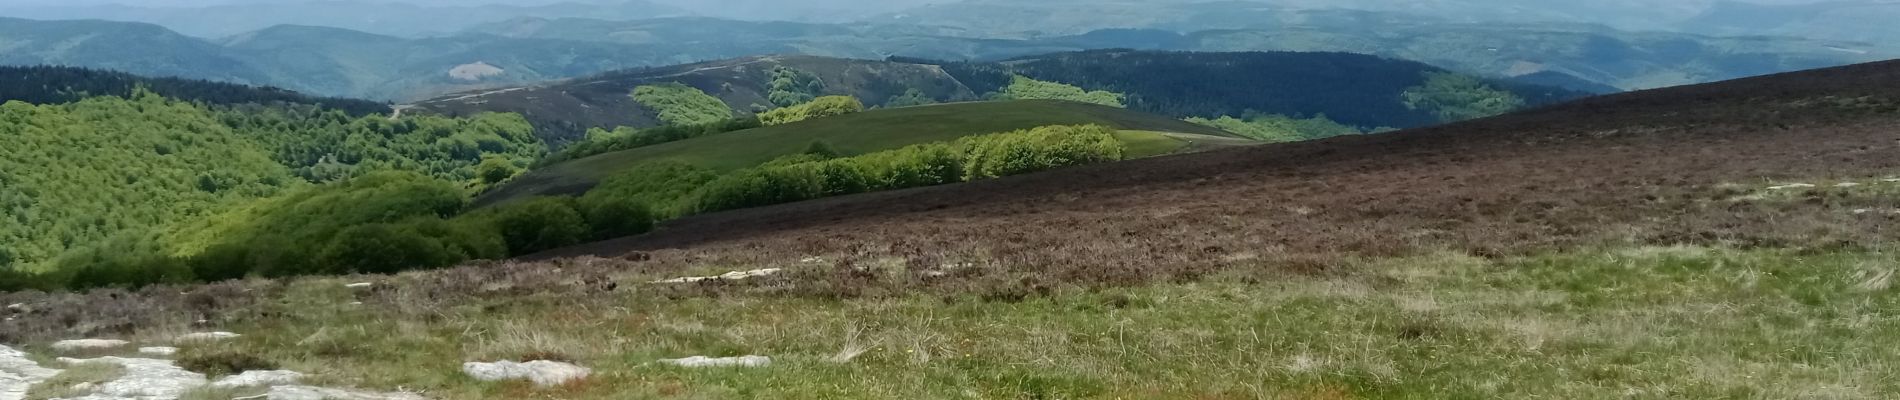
(664, 187)
(827, 106)
(382, 249)
(806, 176)
(538, 224)
(1038, 149)
(612, 217)
(678, 104)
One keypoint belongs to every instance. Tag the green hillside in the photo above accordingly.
(863, 133)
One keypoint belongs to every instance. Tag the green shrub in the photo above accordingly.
(616, 217)
(806, 176)
(382, 249)
(678, 104)
(537, 224)
(1038, 149)
(821, 107)
(665, 187)
(792, 86)
(1024, 88)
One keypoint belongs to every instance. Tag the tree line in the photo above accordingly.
(58, 84)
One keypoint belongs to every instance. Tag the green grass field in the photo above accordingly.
(871, 131)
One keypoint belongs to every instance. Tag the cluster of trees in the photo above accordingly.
(1022, 87)
(382, 222)
(821, 107)
(814, 175)
(601, 141)
(678, 104)
(56, 84)
(1454, 97)
(1280, 128)
(792, 86)
(82, 183)
(911, 98)
(322, 145)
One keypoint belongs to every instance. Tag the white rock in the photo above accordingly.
(88, 344)
(205, 337)
(144, 379)
(703, 361)
(1791, 186)
(85, 387)
(259, 379)
(17, 373)
(542, 372)
(1846, 184)
(729, 276)
(158, 351)
(16, 307)
(1895, 180)
(359, 285)
(317, 393)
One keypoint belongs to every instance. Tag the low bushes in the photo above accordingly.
(819, 108)
(807, 176)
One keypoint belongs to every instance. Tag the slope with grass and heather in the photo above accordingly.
(1584, 251)
(867, 132)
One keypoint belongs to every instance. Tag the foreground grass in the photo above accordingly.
(1645, 323)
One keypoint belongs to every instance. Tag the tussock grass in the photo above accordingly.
(1648, 322)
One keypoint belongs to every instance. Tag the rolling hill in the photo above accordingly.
(866, 132)
(1655, 167)
(1358, 90)
(1583, 250)
(338, 62)
(564, 110)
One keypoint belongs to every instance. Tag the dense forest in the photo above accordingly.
(54, 84)
(108, 169)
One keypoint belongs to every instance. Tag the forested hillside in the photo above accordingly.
(93, 171)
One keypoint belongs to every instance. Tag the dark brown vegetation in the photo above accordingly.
(1677, 166)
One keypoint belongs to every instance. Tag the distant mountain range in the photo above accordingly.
(342, 62)
(380, 17)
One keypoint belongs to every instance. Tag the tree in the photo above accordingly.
(792, 86)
